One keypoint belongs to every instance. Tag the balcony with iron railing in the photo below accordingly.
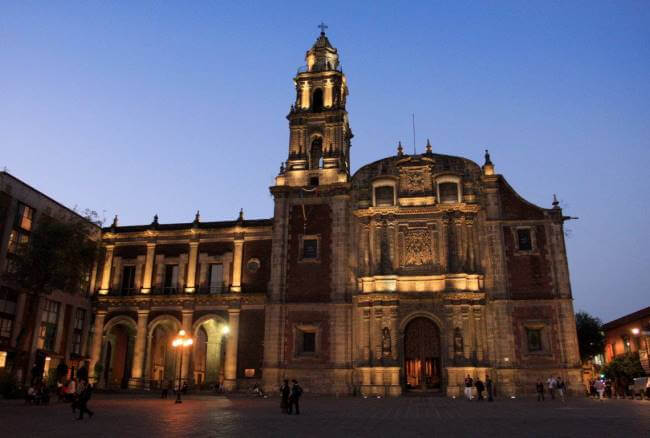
(221, 288)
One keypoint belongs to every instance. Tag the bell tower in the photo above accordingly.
(319, 132)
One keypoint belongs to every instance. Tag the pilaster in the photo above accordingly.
(106, 274)
(230, 373)
(191, 267)
(148, 268)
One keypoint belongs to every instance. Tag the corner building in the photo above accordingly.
(406, 276)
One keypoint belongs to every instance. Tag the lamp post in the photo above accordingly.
(644, 350)
(181, 342)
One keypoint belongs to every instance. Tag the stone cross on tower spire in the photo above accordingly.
(322, 26)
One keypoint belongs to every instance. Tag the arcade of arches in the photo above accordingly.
(124, 362)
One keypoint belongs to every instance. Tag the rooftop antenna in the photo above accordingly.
(413, 120)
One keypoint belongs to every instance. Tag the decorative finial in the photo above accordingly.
(114, 225)
(488, 167)
(197, 217)
(241, 215)
(556, 203)
(400, 149)
(322, 27)
(282, 168)
(487, 157)
(429, 152)
(155, 220)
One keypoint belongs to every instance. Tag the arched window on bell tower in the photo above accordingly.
(317, 100)
(316, 153)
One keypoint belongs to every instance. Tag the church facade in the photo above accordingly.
(407, 275)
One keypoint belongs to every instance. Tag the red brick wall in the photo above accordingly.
(529, 275)
(309, 281)
(130, 252)
(215, 248)
(514, 207)
(535, 313)
(250, 349)
(258, 281)
(172, 250)
(307, 317)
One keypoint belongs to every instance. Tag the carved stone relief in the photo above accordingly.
(417, 248)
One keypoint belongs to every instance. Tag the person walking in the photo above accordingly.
(600, 389)
(540, 390)
(294, 398)
(165, 389)
(488, 387)
(285, 391)
(84, 397)
(469, 382)
(479, 388)
(552, 384)
(560, 388)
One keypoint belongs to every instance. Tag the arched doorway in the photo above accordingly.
(422, 355)
(209, 351)
(162, 366)
(118, 355)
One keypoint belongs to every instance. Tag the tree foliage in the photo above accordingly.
(625, 367)
(591, 338)
(59, 256)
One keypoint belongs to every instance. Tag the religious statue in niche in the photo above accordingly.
(458, 341)
(386, 348)
(418, 248)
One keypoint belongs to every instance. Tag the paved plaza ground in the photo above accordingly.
(125, 415)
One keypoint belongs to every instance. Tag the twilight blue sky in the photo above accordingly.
(138, 108)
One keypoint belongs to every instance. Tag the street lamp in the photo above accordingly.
(181, 341)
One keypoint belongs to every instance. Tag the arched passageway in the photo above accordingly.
(422, 355)
(209, 352)
(162, 358)
(118, 355)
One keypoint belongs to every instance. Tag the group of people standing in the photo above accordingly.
(480, 387)
(290, 397)
(554, 386)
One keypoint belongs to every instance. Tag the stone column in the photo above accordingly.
(18, 320)
(230, 382)
(139, 350)
(478, 329)
(393, 332)
(236, 265)
(106, 275)
(147, 363)
(187, 326)
(148, 268)
(96, 352)
(376, 331)
(467, 332)
(365, 334)
(191, 267)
